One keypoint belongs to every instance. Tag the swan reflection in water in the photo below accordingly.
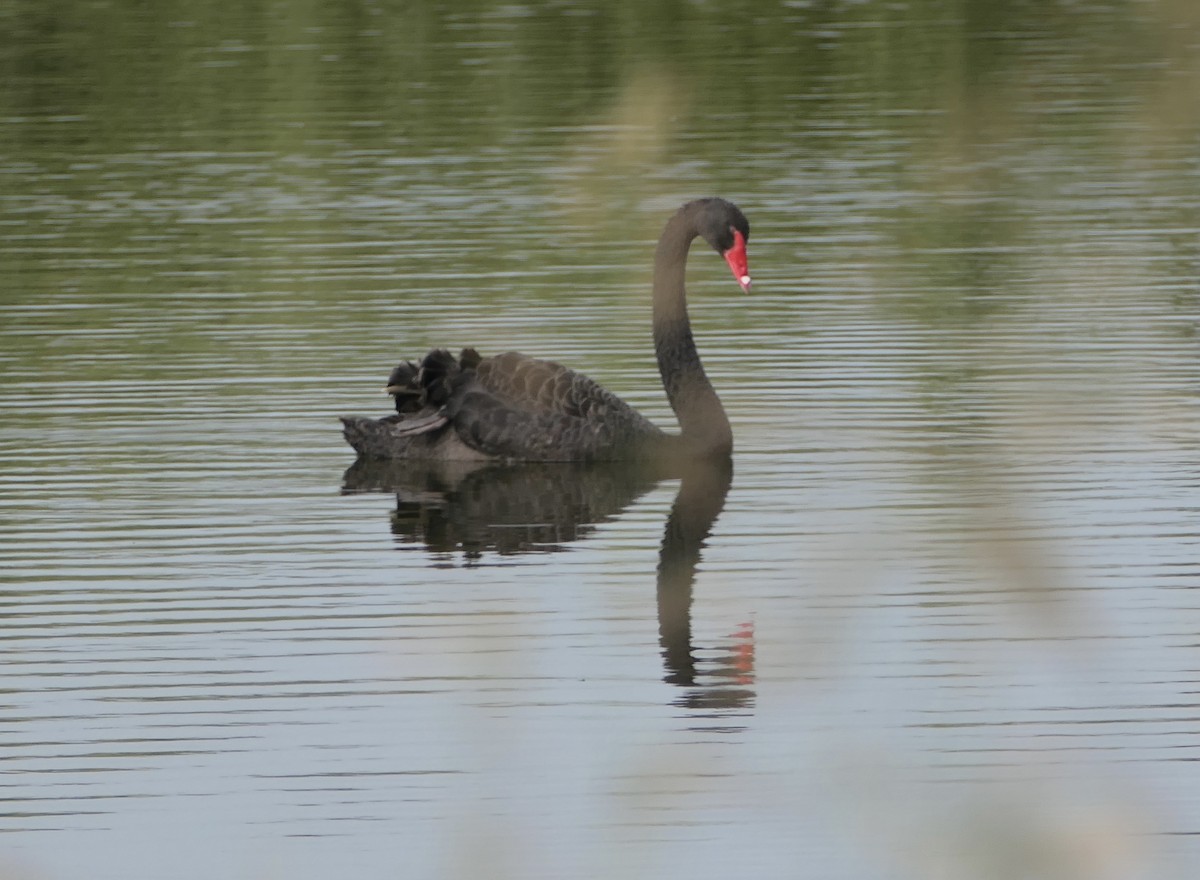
(475, 508)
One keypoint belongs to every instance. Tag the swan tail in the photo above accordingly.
(392, 436)
(366, 435)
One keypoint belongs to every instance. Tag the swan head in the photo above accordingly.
(723, 225)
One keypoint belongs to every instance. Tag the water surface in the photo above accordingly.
(938, 617)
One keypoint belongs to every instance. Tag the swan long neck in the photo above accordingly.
(704, 427)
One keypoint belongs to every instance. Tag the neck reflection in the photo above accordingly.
(724, 679)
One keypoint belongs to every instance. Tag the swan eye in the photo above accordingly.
(733, 238)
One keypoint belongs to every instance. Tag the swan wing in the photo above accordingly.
(509, 406)
(545, 387)
(490, 424)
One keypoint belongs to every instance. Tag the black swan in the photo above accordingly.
(516, 408)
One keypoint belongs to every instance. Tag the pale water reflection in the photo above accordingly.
(941, 619)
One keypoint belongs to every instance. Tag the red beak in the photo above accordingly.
(736, 258)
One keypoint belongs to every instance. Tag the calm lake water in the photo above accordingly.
(938, 621)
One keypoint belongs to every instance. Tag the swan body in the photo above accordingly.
(514, 407)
